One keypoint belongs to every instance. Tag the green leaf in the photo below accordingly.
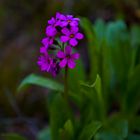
(68, 131)
(95, 96)
(69, 128)
(88, 29)
(100, 30)
(133, 137)
(119, 127)
(44, 134)
(92, 46)
(132, 97)
(115, 32)
(135, 35)
(75, 75)
(34, 79)
(107, 136)
(135, 123)
(114, 129)
(12, 136)
(97, 86)
(89, 130)
(60, 112)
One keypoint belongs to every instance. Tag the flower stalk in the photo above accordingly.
(66, 84)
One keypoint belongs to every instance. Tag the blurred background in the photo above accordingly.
(22, 26)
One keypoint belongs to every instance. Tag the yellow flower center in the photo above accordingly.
(72, 35)
(68, 21)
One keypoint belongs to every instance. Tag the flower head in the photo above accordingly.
(45, 62)
(60, 17)
(67, 58)
(71, 35)
(47, 41)
(48, 64)
(51, 31)
(70, 20)
(61, 28)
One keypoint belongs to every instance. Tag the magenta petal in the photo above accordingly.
(45, 62)
(51, 21)
(45, 41)
(69, 16)
(51, 31)
(74, 23)
(73, 42)
(48, 68)
(60, 16)
(61, 54)
(43, 49)
(63, 23)
(77, 19)
(75, 56)
(68, 50)
(65, 31)
(63, 63)
(79, 36)
(39, 62)
(74, 29)
(64, 38)
(71, 63)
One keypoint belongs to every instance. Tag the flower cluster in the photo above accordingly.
(62, 33)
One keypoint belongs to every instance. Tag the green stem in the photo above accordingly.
(66, 84)
(65, 95)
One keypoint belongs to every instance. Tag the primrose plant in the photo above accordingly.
(57, 53)
(62, 35)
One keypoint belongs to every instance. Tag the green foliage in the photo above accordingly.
(107, 109)
(90, 130)
(133, 137)
(115, 128)
(59, 114)
(93, 93)
(132, 103)
(68, 131)
(118, 65)
(40, 81)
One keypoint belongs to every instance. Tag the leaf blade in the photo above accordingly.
(90, 130)
(34, 79)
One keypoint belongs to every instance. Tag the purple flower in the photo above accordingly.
(71, 36)
(43, 49)
(67, 58)
(45, 62)
(60, 17)
(51, 31)
(47, 41)
(70, 20)
(62, 28)
(48, 64)
(53, 23)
